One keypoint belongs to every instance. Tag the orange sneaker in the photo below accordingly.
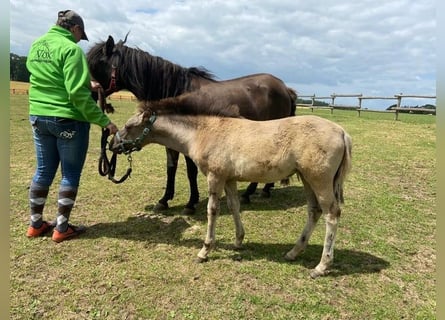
(71, 232)
(38, 232)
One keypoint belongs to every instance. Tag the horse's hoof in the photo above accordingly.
(289, 258)
(316, 273)
(160, 207)
(237, 258)
(238, 247)
(265, 194)
(201, 260)
(188, 211)
(244, 200)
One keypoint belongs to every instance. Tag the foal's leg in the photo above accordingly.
(331, 207)
(314, 212)
(172, 165)
(233, 204)
(192, 174)
(215, 186)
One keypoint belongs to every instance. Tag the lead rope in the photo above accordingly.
(104, 164)
(108, 167)
(113, 169)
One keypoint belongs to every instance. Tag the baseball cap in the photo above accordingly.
(71, 18)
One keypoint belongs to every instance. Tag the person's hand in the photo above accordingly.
(112, 128)
(94, 85)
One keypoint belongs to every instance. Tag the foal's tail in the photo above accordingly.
(293, 100)
(344, 168)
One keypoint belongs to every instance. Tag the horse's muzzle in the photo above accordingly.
(119, 145)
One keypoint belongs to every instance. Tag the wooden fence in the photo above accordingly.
(124, 95)
(332, 105)
(18, 91)
(128, 96)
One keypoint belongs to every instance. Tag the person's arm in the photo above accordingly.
(77, 84)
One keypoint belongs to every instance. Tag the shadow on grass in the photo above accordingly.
(282, 198)
(159, 229)
(346, 261)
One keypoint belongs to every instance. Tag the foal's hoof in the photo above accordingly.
(188, 211)
(159, 207)
(201, 260)
(316, 273)
(244, 200)
(287, 257)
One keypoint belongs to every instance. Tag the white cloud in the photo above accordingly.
(371, 47)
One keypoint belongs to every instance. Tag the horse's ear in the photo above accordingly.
(109, 46)
(126, 36)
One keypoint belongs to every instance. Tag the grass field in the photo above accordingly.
(135, 264)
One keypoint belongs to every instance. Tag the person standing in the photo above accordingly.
(61, 110)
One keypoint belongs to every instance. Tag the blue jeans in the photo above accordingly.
(59, 141)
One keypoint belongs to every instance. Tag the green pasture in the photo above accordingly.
(136, 264)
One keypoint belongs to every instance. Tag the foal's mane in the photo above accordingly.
(149, 77)
(191, 104)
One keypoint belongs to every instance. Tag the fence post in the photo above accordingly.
(332, 102)
(399, 103)
(359, 106)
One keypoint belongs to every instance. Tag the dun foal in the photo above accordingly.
(228, 150)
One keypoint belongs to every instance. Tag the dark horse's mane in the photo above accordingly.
(149, 77)
(191, 103)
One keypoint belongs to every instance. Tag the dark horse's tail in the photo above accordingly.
(293, 100)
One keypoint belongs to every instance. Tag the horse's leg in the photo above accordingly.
(331, 207)
(233, 204)
(192, 174)
(314, 212)
(251, 188)
(266, 190)
(172, 165)
(215, 186)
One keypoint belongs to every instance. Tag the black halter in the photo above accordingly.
(128, 146)
(112, 87)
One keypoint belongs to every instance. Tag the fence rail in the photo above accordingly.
(115, 96)
(358, 107)
(18, 91)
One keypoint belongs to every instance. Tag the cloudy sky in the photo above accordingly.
(373, 47)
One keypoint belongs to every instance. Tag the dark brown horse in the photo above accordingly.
(259, 97)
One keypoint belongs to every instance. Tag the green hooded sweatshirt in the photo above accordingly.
(60, 79)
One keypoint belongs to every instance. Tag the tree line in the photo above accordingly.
(17, 68)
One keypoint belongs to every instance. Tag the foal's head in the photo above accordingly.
(133, 136)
